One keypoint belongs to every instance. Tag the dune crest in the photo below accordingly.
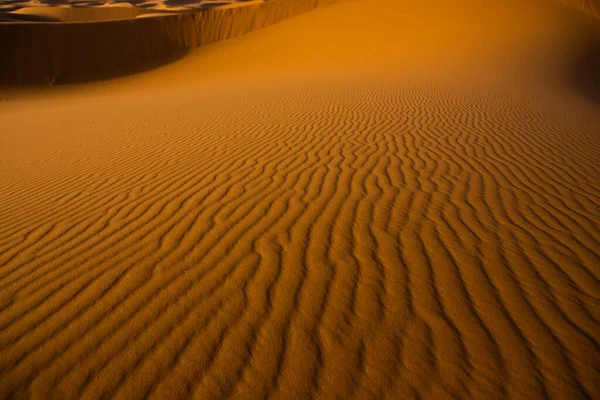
(64, 53)
(68, 14)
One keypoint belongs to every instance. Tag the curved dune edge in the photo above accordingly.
(106, 12)
(124, 40)
(71, 52)
(70, 14)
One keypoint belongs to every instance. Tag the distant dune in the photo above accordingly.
(114, 44)
(9, 6)
(371, 200)
(68, 14)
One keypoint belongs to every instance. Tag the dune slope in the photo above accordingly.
(371, 200)
(102, 42)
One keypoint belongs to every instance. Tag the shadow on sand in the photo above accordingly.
(57, 53)
(34, 53)
(585, 73)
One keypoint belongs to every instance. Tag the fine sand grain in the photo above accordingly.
(375, 199)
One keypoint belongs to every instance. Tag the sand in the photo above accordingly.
(86, 44)
(14, 6)
(374, 199)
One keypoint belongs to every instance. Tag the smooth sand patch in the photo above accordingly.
(371, 200)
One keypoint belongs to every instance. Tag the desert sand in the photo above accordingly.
(372, 200)
(16, 6)
(75, 44)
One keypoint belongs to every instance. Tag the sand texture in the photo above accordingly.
(371, 200)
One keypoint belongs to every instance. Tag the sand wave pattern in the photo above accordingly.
(364, 241)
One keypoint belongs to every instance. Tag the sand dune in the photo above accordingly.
(392, 201)
(66, 14)
(9, 6)
(108, 42)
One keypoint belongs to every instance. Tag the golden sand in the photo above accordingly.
(375, 199)
(105, 42)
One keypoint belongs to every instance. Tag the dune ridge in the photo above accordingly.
(80, 14)
(364, 215)
(63, 53)
(70, 52)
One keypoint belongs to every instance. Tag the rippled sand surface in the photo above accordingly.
(376, 199)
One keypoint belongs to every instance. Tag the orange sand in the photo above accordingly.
(375, 199)
(99, 43)
(26, 6)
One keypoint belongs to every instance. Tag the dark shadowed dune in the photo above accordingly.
(81, 14)
(18, 17)
(62, 53)
(74, 52)
(585, 71)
